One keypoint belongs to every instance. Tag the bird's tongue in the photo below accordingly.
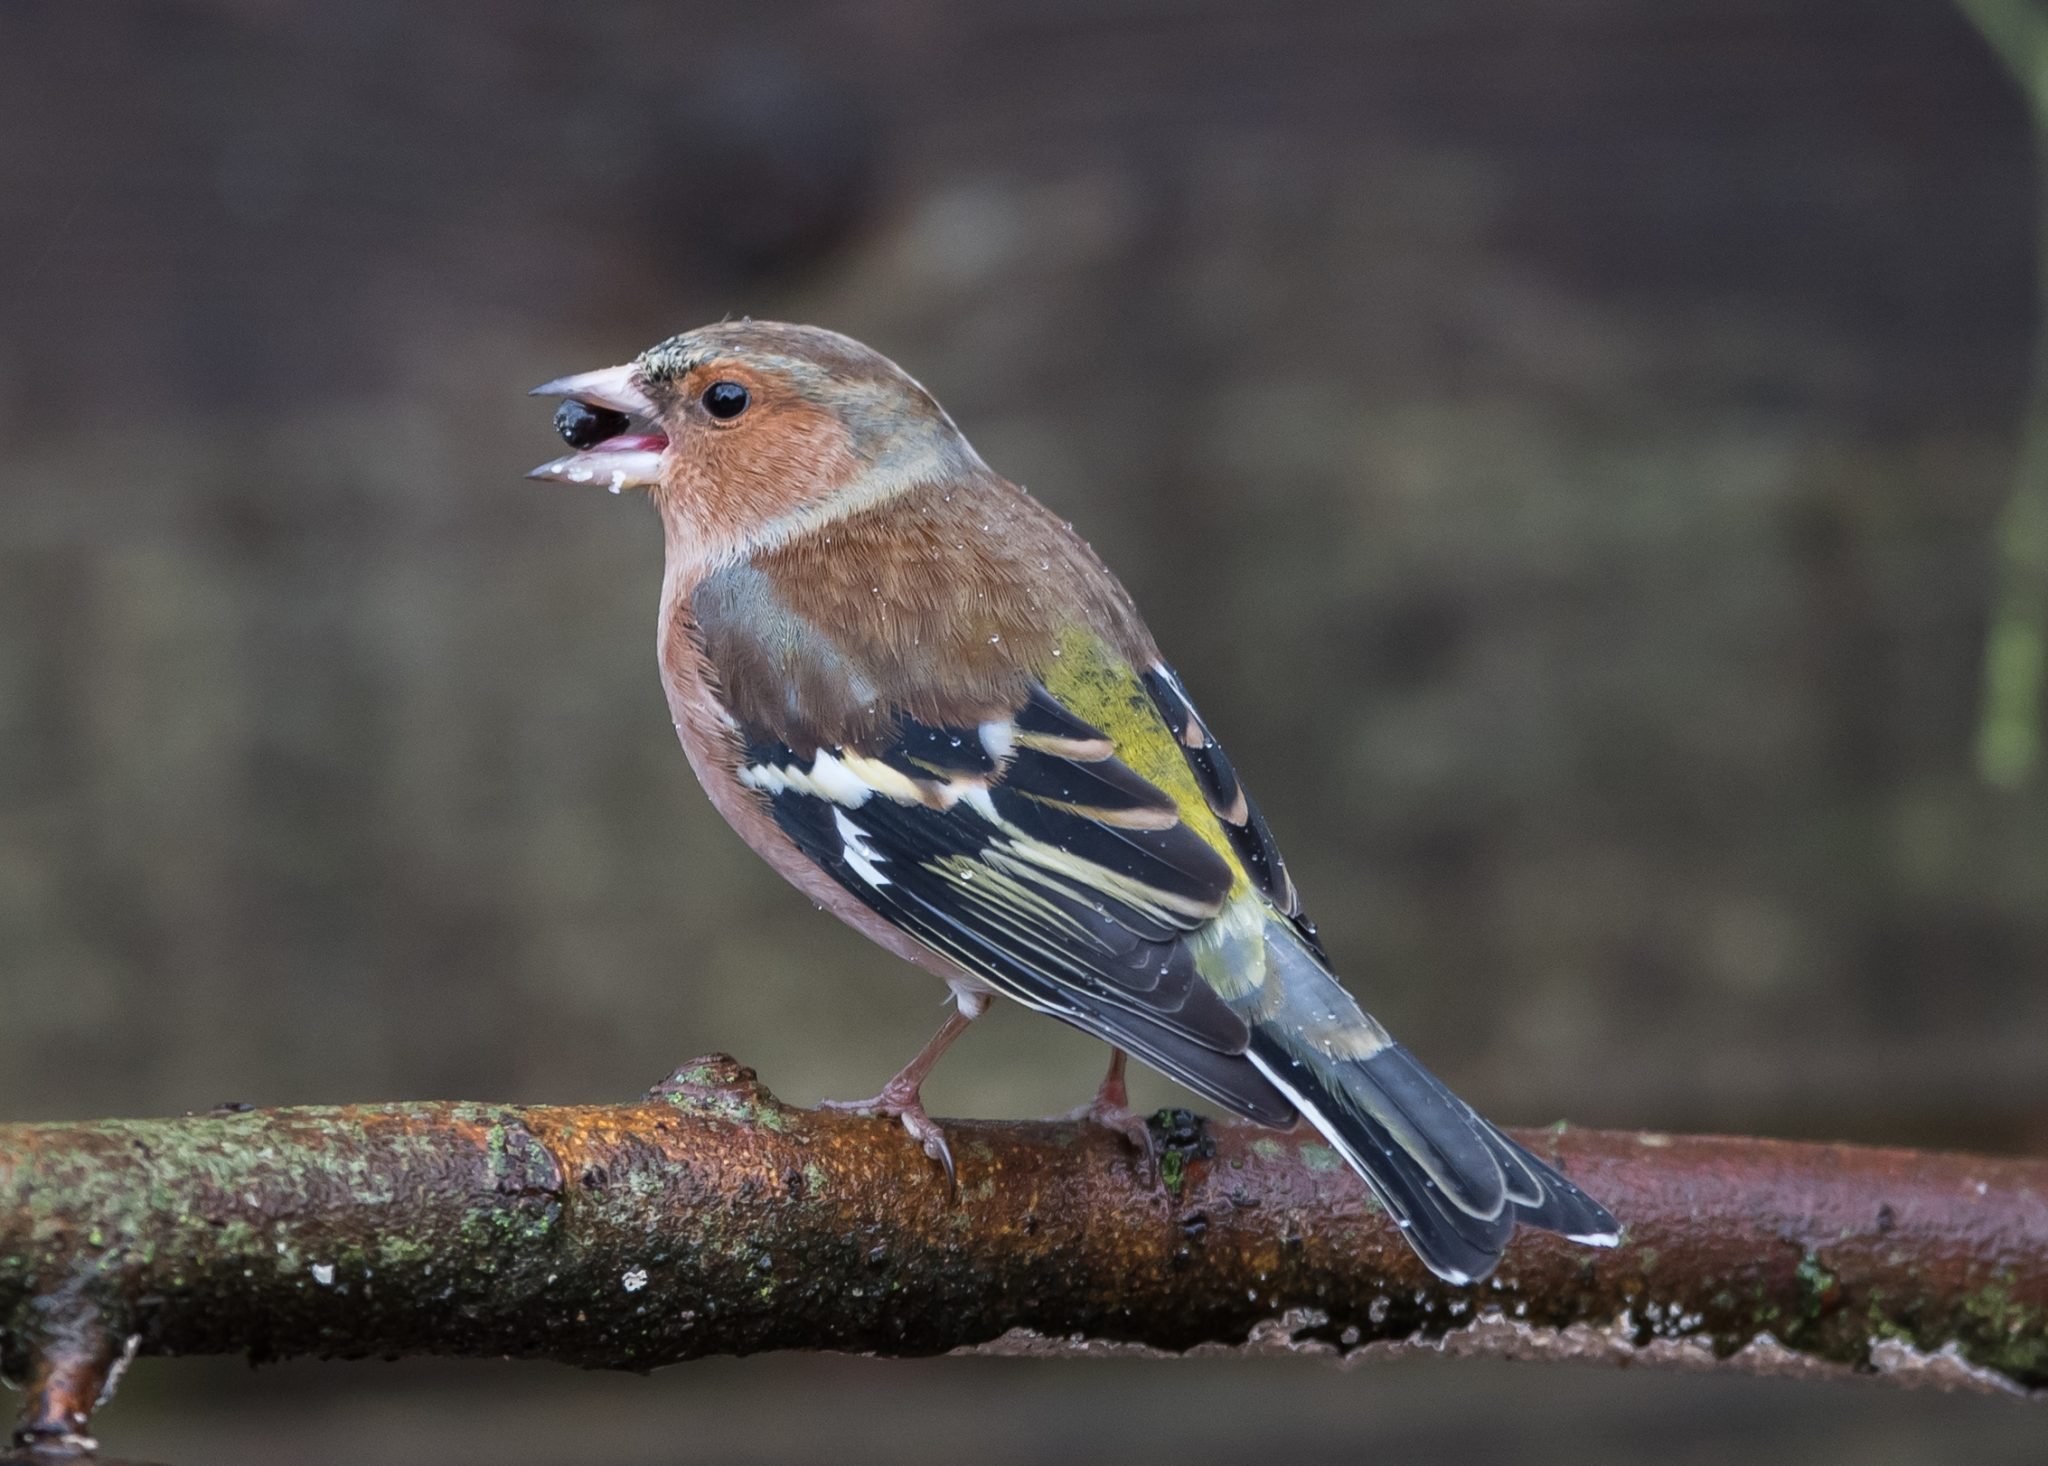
(631, 443)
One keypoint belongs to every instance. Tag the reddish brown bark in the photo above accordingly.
(711, 1219)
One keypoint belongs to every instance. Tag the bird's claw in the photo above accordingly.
(1123, 1121)
(908, 1108)
(1111, 1109)
(926, 1132)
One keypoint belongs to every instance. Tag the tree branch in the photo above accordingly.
(712, 1219)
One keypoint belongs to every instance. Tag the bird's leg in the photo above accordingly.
(1112, 1095)
(1111, 1109)
(900, 1097)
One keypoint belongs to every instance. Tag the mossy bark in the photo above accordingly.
(711, 1219)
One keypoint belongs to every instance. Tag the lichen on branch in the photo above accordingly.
(712, 1219)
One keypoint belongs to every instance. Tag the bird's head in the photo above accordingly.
(746, 432)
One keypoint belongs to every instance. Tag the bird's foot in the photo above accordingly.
(900, 1096)
(903, 1103)
(1111, 1109)
(1127, 1123)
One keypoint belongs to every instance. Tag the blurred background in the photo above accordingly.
(1560, 444)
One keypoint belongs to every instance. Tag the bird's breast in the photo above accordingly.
(713, 743)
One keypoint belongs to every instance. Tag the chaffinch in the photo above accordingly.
(922, 698)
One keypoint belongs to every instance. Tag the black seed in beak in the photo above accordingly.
(583, 426)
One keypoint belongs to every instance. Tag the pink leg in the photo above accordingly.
(1111, 1093)
(1111, 1109)
(900, 1097)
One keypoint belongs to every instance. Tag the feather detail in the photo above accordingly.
(1226, 798)
(905, 608)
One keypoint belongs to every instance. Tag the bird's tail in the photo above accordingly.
(1454, 1184)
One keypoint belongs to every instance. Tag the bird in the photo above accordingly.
(922, 697)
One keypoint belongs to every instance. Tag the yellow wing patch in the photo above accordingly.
(1098, 686)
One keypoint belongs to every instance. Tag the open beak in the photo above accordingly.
(618, 444)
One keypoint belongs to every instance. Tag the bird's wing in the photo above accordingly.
(1026, 847)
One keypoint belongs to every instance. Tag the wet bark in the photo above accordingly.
(712, 1219)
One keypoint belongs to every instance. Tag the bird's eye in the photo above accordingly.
(725, 400)
(584, 426)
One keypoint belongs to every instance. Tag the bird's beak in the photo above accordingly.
(629, 458)
(611, 387)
